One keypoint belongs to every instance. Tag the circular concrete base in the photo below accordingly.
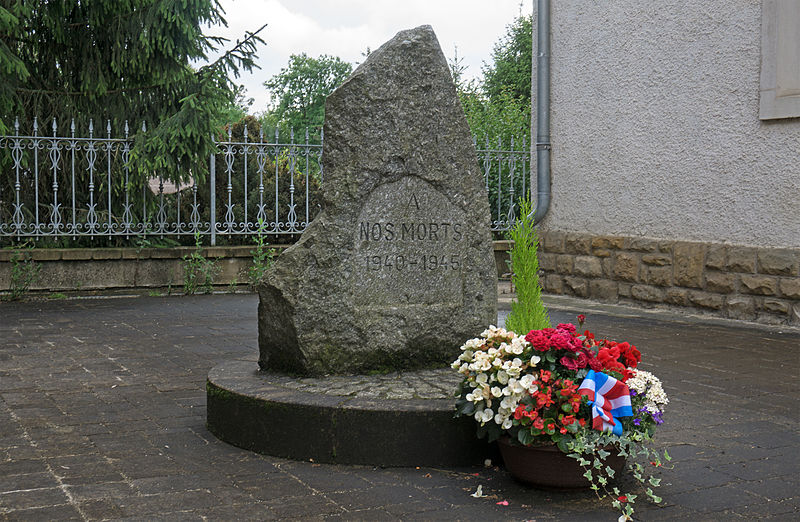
(274, 414)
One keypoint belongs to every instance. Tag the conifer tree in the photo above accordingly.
(122, 61)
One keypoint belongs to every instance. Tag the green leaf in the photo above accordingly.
(603, 453)
(655, 481)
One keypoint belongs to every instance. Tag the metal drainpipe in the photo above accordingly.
(543, 146)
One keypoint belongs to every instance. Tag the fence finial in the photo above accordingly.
(72, 127)
(35, 126)
(126, 129)
(16, 125)
(108, 128)
(91, 128)
(54, 126)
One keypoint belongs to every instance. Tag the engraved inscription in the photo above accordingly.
(409, 242)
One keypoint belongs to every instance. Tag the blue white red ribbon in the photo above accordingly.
(609, 398)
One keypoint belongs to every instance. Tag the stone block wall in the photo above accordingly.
(80, 269)
(750, 283)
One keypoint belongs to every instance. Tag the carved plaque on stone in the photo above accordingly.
(397, 270)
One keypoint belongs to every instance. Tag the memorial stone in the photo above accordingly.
(397, 269)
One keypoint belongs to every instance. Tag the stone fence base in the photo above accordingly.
(81, 269)
(737, 282)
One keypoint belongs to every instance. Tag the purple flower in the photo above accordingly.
(633, 393)
(637, 422)
(657, 418)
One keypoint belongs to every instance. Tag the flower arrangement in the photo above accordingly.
(558, 386)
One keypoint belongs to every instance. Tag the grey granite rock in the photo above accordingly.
(397, 270)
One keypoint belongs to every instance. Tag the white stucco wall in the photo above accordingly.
(655, 125)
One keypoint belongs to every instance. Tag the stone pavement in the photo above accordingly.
(102, 416)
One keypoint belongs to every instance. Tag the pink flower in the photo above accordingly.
(566, 326)
(561, 341)
(569, 363)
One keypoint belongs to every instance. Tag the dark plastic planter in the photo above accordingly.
(547, 467)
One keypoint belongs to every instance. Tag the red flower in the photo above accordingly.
(581, 318)
(539, 340)
(538, 423)
(569, 419)
(595, 364)
(630, 355)
(544, 375)
(622, 498)
(582, 422)
(562, 430)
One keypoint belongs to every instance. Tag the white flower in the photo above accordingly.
(517, 346)
(526, 381)
(486, 415)
(502, 377)
(475, 396)
(646, 384)
(482, 378)
(507, 424)
(508, 403)
(515, 386)
(497, 392)
(535, 360)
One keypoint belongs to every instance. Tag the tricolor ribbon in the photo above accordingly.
(609, 398)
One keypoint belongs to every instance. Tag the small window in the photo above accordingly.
(780, 59)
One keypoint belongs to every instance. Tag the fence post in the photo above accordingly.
(213, 180)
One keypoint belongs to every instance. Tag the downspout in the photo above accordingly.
(543, 146)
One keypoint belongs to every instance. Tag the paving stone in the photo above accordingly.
(57, 512)
(716, 499)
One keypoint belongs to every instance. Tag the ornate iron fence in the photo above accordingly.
(62, 186)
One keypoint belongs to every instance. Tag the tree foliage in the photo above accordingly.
(499, 106)
(299, 90)
(510, 74)
(122, 61)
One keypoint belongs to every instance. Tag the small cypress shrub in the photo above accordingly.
(527, 311)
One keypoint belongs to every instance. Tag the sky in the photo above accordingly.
(346, 28)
